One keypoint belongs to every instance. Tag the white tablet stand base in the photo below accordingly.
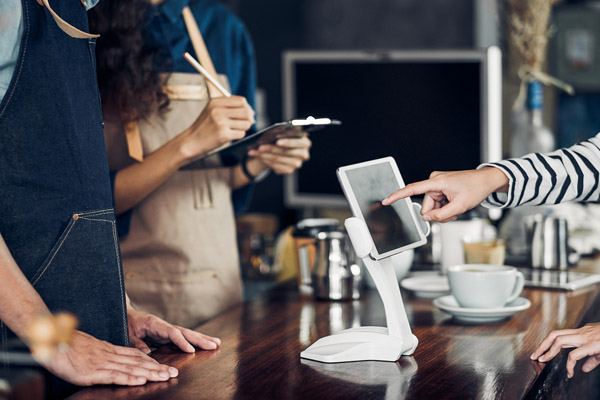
(370, 342)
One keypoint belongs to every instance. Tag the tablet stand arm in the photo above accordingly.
(384, 276)
(370, 342)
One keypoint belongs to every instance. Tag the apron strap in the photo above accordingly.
(134, 141)
(68, 28)
(186, 92)
(200, 49)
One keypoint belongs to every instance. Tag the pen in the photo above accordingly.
(206, 74)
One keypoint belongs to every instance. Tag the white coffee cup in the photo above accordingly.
(484, 285)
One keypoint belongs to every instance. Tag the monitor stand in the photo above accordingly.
(370, 342)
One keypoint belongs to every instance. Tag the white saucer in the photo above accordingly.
(480, 315)
(429, 286)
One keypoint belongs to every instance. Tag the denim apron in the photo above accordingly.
(56, 208)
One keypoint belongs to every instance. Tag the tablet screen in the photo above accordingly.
(392, 226)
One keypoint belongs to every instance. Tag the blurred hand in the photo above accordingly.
(285, 156)
(223, 119)
(586, 340)
(89, 361)
(147, 327)
(448, 194)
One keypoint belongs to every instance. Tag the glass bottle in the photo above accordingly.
(530, 134)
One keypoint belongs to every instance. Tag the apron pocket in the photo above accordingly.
(101, 215)
(82, 275)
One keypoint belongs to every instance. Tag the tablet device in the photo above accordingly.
(560, 280)
(232, 153)
(394, 228)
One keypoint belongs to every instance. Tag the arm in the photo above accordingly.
(564, 175)
(20, 302)
(570, 174)
(87, 361)
(223, 120)
(448, 194)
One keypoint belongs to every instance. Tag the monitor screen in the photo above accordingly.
(425, 112)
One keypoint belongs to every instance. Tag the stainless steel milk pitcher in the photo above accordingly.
(547, 240)
(335, 273)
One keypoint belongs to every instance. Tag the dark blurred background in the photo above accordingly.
(279, 25)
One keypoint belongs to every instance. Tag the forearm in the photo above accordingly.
(19, 302)
(135, 182)
(254, 166)
(570, 174)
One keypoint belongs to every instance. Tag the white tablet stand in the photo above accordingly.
(370, 342)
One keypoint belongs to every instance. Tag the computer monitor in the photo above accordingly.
(430, 110)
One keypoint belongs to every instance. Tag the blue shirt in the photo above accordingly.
(11, 31)
(226, 38)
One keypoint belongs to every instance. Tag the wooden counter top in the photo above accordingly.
(262, 341)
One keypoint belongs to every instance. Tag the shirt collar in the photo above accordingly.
(172, 9)
(89, 4)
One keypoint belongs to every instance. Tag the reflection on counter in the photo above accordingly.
(395, 376)
(342, 315)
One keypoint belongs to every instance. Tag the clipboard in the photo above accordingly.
(233, 153)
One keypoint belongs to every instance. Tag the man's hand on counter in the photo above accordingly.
(89, 361)
(144, 326)
(586, 340)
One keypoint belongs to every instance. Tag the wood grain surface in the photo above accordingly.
(262, 340)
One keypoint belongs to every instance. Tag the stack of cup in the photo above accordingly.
(470, 241)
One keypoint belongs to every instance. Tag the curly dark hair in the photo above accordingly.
(127, 75)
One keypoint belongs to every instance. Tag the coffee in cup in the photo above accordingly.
(483, 251)
(484, 285)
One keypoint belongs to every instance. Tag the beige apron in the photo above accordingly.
(180, 257)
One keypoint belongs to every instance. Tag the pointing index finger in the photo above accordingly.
(412, 189)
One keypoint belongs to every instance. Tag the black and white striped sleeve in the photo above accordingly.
(570, 174)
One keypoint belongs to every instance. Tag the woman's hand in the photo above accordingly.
(586, 340)
(448, 194)
(283, 157)
(89, 361)
(144, 326)
(223, 119)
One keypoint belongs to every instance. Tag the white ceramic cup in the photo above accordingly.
(484, 285)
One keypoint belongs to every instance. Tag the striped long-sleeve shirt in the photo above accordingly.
(570, 174)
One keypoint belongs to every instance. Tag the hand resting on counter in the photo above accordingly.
(586, 341)
(144, 326)
(89, 361)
